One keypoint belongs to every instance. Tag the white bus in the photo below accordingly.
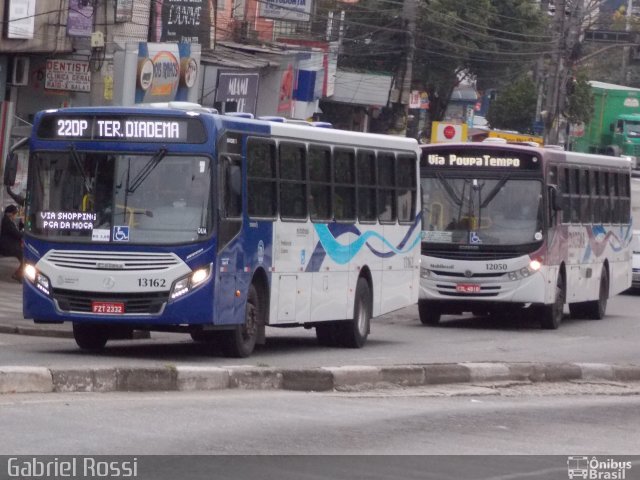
(180, 219)
(635, 221)
(512, 226)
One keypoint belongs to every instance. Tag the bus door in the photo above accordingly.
(230, 258)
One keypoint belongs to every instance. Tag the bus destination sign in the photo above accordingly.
(479, 159)
(122, 128)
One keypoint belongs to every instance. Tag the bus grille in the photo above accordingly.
(126, 261)
(443, 273)
(134, 303)
(470, 255)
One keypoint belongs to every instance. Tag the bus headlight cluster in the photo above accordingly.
(40, 281)
(524, 272)
(189, 282)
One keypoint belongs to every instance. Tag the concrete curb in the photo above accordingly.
(344, 378)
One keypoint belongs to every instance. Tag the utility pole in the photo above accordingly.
(557, 71)
(568, 28)
(401, 107)
(625, 49)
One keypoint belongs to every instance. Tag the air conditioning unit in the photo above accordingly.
(19, 71)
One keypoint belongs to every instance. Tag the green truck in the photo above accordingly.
(615, 126)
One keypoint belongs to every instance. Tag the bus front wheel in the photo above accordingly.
(241, 340)
(551, 315)
(429, 313)
(90, 337)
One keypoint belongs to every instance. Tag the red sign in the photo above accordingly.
(467, 288)
(107, 307)
(449, 132)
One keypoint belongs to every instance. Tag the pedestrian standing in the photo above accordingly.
(11, 239)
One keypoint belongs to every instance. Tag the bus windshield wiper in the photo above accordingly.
(494, 191)
(78, 164)
(449, 189)
(146, 170)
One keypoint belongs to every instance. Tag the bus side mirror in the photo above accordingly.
(10, 169)
(556, 200)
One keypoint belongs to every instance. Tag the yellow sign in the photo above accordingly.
(516, 137)
(442, 132)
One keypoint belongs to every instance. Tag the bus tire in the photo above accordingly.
(201, 336)
(551, 315)
(90, 337)
(241, 340)
(597, 309)
(429, 313)
(353, 333)
(327, 334)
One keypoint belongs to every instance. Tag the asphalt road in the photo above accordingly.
(541, 419)
(397, 338)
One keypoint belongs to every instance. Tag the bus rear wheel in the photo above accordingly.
(596, 309)
(551, 315)
(429, 313)
(240, 341)
(90, 337)
(353, 333)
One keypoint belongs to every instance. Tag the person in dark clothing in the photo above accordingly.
(11, 239)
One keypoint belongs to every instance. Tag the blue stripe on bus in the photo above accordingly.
(328, 244)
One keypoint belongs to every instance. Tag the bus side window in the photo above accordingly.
(575, 195)
(293, 180)
(261, 178)
(319, 158)
(585, 203)
(232, 187)
(344, 184)
(595, 203)
(406, 188)
(386, 191)
(566, 195)
(366, 168)
(605, 206)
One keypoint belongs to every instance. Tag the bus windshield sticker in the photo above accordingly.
(121, 233)
(474, 238)
(100, 235)
(76, 221)
(437, 236)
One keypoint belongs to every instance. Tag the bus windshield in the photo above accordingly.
(481, 211)
(107, 197)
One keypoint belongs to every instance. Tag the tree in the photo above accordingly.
(579, 107)
(515, 107)
(490, 41)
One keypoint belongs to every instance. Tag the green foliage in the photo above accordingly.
(579, 107)
(515, 107)
(491, 41)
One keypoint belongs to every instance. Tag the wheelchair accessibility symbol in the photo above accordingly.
(474, 238)
(121, 234)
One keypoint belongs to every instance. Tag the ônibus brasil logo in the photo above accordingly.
(594, 468)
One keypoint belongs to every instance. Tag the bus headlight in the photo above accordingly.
(37, 279)
(189, 282)
(524, 272)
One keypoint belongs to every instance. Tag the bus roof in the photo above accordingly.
(292, 130)
(551, 152)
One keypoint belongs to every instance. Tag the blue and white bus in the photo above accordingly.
(508, 227)
(175, 218)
